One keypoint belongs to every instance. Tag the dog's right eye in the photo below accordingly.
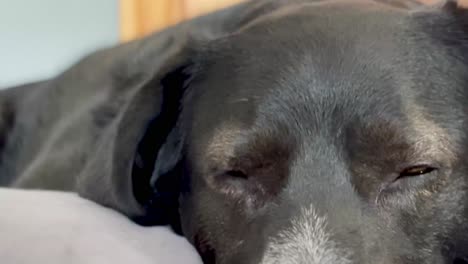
(236, 174)
(254, 186)
(234, 183)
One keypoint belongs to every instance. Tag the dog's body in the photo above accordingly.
(271, 132)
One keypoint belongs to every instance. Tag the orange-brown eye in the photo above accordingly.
(416, 170)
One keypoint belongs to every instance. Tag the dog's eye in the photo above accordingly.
(416, 171)
(236, 174)
(409, 178)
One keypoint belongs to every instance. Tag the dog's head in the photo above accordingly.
(331, 132)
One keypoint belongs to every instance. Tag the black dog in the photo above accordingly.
(271, 132)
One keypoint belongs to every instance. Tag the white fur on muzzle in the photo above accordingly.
(305, 242)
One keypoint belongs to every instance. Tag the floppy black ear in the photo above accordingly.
(157, 172)
(142, 146)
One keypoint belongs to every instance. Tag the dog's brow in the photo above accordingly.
(431, 139)
(221, 146)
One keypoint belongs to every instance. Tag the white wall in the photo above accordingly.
(39, 38)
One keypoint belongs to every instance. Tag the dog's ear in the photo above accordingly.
(157, 169)
(446, 24)
(457, 10)
(450, 27)
(132, 169)
(453, 5)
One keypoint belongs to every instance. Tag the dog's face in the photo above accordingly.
(328, 134)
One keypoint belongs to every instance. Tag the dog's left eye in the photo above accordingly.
(416, 171)
(409, 178)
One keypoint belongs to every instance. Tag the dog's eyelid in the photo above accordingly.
(416, 170)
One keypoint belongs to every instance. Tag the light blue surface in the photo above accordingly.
(39, 38)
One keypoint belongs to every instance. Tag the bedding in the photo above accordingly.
(60, 227)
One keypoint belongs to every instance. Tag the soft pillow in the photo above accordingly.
(58, 227)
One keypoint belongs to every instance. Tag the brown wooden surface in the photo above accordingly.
(141, 17)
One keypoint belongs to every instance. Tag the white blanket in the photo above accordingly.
(57, 228)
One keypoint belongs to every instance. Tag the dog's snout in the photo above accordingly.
(307, 240)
